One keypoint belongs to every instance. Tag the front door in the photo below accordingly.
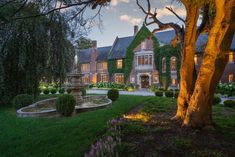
(144, 81)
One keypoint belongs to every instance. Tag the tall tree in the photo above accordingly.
(84, 43)
(194, 101)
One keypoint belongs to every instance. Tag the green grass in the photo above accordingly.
(57, 137)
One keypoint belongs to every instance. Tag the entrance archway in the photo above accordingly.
(144, 80)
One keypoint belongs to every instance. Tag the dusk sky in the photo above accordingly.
(121, 15)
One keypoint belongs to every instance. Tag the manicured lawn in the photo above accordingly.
(57, 137)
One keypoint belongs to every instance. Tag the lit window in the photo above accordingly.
(119, 63)
(102, 66)
(230, 57)
(155, 78)
(103, 78)
(86, 79)
(164, 65)
(85, 67)
(119, 78)
(230, 78)
(145, 60)
(174, 82)
(195, 59)
(143, 45)
(173, 64)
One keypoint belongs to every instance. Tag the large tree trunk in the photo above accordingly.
(199, 112)
(187, 62)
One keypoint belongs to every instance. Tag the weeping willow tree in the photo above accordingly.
(31, 49)
(197, 91)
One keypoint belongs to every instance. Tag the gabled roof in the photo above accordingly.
(103, 53)
(84, 55)
(119, 48)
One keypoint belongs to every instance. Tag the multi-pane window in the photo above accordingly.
(174, 82)
(145, 60)
(163, 64)
(102, 66)
(119, 78)
(85, 67)
(119, 64)
(230, 78)
(230, 57)
(86, 79)
(104, 78)
(173, 64)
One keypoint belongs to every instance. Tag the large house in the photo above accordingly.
(142, 60)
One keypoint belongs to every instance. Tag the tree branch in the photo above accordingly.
(205, 18)
(172, 11)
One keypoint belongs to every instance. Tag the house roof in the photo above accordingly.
(119, 48)
(103, 53)
(84, 55)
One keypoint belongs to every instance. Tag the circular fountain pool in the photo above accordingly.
(48, 107)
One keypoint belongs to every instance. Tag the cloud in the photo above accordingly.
(164, 12)
(116, 2)
(130, 19)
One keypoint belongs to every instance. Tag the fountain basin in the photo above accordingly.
(47, 107)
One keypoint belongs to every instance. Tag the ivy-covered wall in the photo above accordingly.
(167, 51)
(112, 67)
(140, 36)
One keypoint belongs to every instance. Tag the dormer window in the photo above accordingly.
(119, 64)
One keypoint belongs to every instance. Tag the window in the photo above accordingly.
(230, 78)
(143, 45)
(119, 78)
(173, 63)
(102, 66)
(86, 79)
(195, 59)
(104, 78)
(230, 57)
(145, 60)
(119, 63)
(155, 78)
(85, 67)
(174, 82)
(163, 64)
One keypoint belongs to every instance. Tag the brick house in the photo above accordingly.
(107, 64)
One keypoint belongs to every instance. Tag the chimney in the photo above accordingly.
(94, 44)
(136, 29)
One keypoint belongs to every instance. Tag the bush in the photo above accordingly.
(68, 90)
(176, 94)
(113, 94)
(46, 91)
(159, 93)
(53, 90)
(61, 90)
(65, 104)
(216, 100)
(229, 103)
(153, 87)
(83, 91)
(169, 94)
(22, 100)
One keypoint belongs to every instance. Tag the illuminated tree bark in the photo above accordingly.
(199, 112)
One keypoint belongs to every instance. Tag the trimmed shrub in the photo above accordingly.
(169, 94)
(229, 103)
(53, 90)
(113, 94)
(159, 93)
(68, 90)
(216, 100)
(61, 90)
(83, 91)
(65, 104)
(176, 95)
(22, 100)
(46, 91)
